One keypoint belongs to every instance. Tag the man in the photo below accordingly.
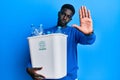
(82, 34)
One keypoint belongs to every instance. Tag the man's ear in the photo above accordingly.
(70, 19)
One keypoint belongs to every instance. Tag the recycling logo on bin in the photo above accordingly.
(42, 45)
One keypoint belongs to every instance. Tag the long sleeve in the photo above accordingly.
(84, 39)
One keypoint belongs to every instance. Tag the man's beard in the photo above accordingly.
(62, 24)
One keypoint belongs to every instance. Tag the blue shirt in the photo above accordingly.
(74, 37)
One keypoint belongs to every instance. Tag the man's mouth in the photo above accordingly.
(63, 21)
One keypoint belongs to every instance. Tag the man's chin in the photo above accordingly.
(63, 24)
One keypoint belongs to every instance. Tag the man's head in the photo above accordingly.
(65, 14)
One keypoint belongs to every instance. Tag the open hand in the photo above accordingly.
(86, 25)
(34, 75)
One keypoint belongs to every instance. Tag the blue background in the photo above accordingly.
(100, 61)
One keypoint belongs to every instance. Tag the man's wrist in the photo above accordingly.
(89, 33)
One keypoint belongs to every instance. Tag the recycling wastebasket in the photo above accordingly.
(50, 52)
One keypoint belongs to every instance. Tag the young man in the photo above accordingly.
(82, 34)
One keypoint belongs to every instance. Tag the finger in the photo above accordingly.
(83, 13)
(80, 14)
(37, 79)
(38, 76)
(37, 68)
(89, 15)
(76, 26)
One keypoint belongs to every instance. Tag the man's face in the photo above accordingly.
(64, 16)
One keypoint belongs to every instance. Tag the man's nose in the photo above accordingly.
(65, 17)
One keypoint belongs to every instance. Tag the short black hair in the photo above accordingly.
(68, 6)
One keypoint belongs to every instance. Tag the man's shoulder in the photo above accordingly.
(71, 28)
(49, 28)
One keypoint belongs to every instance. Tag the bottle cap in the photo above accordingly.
(59, 27)
(48, 32)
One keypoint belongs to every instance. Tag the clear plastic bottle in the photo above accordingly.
(40, 29)
(48, 32)
(34, 30)
(59, 29)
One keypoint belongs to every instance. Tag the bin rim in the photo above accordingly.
(46, 35)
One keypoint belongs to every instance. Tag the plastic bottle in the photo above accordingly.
(48, 32)
(40, 29)
(34, 31)
(59, 29)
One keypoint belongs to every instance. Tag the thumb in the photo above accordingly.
(38, 68)
(76, 26)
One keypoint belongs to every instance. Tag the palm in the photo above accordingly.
(86, 25)
(85, 21)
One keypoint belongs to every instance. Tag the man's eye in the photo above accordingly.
(69, 16)
(62, 13)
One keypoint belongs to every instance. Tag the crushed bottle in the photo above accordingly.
(41, 29)
(35, 31)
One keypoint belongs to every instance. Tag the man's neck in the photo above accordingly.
(62, 26)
